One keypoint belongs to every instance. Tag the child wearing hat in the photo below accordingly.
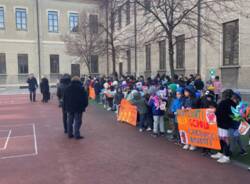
(190, 102)
(171, 96)
(225, 121)
(207, 102)
(155, 103)
(176, 105)
(142, 109)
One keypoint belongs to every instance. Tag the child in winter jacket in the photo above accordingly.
(176, 105)
(190, 102)
(142, 109)
(155, 102)
(118, 98)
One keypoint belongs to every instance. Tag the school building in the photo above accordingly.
(31, 38)
(31, 42)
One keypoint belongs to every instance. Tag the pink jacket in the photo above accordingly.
(217, 87)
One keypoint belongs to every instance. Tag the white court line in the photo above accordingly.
(26, 155)
(16, 125)
(18, 156)
(7, 140)
(16, 137)
(35, 141)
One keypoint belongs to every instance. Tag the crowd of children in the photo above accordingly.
(159, 99)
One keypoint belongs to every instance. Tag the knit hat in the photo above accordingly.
(237, 95)
(124, 83)
(173, 87)
(190, 89)
(179, 90)
(209, 94)
(152, 90)
(115, 83)
(106, 85)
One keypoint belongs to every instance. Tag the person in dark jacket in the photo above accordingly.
(75, 102)
(98, 89)
(233, 130)
(44, 88)
(189, 102)
(225, 121)
(207, 102)
(155, 102)
(198, 83)
(32, 86)
(142, 109)
(118, 98)
(64, 83)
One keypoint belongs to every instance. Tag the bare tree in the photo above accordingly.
(165, 19)
(118, 40)
(84, 42)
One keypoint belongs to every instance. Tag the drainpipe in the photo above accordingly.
(107, 27)
(135, 33)
(38, 39)
(199, 38)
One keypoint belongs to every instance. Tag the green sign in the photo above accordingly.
(212, 72)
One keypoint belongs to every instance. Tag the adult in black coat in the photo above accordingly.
(225, 122)
(198, 83)
(64, 83)
(32, 86)
(75, 103)
(44, 88)
(98, 89)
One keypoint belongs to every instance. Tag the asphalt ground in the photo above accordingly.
(34, 150)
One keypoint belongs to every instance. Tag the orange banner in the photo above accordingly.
(92, 93)
(198, 127)
(127, 113)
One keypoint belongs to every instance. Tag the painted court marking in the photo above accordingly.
(17, 137)
(7, 140)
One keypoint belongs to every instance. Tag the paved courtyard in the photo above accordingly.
(34, 150)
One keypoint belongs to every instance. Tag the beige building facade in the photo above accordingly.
(31, 34)
(227, 55)
(21, 43)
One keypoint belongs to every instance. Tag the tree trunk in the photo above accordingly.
(171, 54)
(88, 67)
(114, 59)
(88, 64)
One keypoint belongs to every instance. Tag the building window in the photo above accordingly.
(180, 51)
(162, 53)
(23, 67)
(54, 64)
(129, 61)
(73, 21)
(2, 18)
(120, 17)
(148, 57)
(147, 5)
(2, 63)
(231, 43)
(21, 19)
(94, 64)
(75, 70)
(53, 21)
(128, 12)
(93, 23)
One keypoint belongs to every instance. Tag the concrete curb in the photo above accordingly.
(241, 165)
